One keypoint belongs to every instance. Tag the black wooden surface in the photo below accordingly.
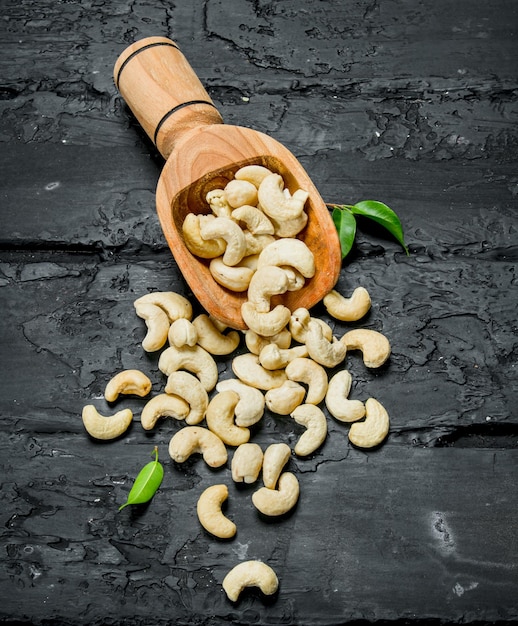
(410, 103)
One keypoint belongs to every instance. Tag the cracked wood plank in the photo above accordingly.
(414, 106)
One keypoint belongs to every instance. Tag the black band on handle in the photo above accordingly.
(133, 54)
(173, 111)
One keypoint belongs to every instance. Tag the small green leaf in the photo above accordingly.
(382, 214)
(146, 483)
(346, 228)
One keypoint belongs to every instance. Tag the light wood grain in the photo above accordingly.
(203, 154)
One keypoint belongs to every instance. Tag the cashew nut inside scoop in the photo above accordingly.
(291, 253)
(204, 248)
(275, 203)
(250, 574)
(228, 230)
(236, 278)
(265, 324)
(240, 192)
(268, 281)
(254, 174)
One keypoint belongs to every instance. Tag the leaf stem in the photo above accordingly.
(344, 216)
(349, 207)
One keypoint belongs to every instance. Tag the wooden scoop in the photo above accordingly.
(202, 153)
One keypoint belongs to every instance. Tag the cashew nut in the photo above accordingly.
(212, 339)
(106, 427)
(275, 203)
(255, 343)
(218, 203)
(198, 440)
(193, 359)
(289, 228)
(157, 324)
(220, 419)
(236, 278)
(174, 304)
(248, 369)
(250, 574)
(348, 309)
(295, 279)
(373, 429)
(218, 324)
(314, 420)
(250, 261)
(250, 408)
(290, 252)
(189, 388)
(284, 399)
(267, 281)
(254, 174)
(240, 192)
(311, 373)
(337, 401)
(246, 463)
(210, 514)
(255, 244)
(275, 458)
(327, 353)
(272, 357)
(196, 244)
(127, 382)
(299, 324)
(163, 405)
(273, 502)
(253, 219)
(226, 229)
(265, 324)
(182, 333)
(375, 347)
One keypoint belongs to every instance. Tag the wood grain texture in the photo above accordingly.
(411, 104)
(203, 154)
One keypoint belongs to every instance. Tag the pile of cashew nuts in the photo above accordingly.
(249, 236)
(285, 368)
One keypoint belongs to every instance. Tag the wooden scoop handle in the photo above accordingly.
(163, 92)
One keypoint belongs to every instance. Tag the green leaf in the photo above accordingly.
(146, 483)
(346, 228)
(382, 214)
